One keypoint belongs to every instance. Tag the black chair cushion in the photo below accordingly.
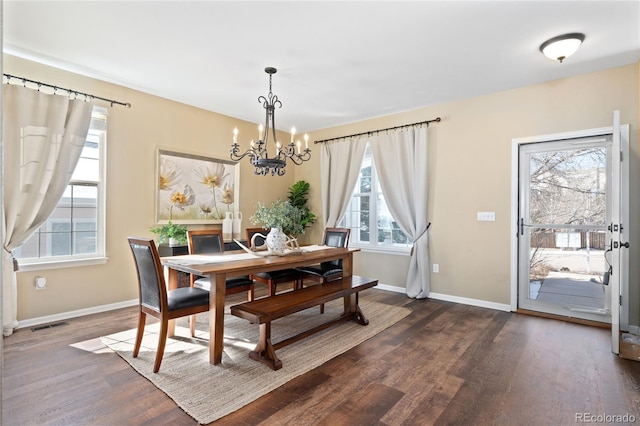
(234, 282)
(323, 270)
(187, 297)
(279, 275)
(239, 281)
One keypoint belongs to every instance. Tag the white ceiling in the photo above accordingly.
(337, 61)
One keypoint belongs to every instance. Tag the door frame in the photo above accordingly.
(624, 209)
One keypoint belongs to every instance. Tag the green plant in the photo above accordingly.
(171, 230)
(298, 197)
(281, 214)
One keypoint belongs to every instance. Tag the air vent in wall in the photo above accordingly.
(45, 326)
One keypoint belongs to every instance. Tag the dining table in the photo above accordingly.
(219, 267)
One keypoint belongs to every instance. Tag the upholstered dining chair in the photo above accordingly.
(156, 300)
(273, 278)
(209, 241)
(327, 271)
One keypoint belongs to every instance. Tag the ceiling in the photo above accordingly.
(337, 61)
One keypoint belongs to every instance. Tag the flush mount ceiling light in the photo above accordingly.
(561, 47)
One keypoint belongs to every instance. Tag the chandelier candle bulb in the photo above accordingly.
(293, 133)
(235, 135)
(306, 141)
(298, 143)
(260, 130)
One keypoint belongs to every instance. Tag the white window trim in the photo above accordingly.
(27, 266)
(384, 249)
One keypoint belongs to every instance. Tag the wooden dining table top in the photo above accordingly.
(242, 263)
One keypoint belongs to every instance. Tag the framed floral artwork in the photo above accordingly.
(194, 189)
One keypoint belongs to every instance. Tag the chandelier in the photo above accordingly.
(257, 152)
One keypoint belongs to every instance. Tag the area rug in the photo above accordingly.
(208, 392)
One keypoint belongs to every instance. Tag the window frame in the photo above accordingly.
(372, 246)
(99, 257)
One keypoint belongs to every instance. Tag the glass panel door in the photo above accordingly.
(563, 257)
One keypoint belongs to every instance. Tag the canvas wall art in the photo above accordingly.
(194, 189)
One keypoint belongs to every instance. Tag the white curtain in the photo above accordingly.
(401, 162)
(43, 137)
(340, 167)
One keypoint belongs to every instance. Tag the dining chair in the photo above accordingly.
(327, 271)
(273, 278)
(156, 300)
(209, 241)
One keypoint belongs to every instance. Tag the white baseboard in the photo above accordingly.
(392, 288)
(74, 314)
(456, 299)
(473, 302)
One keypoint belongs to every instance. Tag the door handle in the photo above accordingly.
(620, 244)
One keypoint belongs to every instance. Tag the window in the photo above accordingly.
(75, 229)
(371, 223)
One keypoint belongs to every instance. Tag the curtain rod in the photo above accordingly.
(373, 132)
(87, 96)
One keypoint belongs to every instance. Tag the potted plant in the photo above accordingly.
(298, 197)
(171, 233)
(283, 218)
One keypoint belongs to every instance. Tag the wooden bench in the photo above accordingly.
(263, 311)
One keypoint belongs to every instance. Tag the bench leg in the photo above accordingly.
(358, 316)
(264, 351)
(352, 309)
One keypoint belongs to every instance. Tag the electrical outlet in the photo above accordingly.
(41, 283)
(436, 268)
(486, 216)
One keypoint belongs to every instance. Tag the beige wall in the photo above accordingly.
(470, 171)
(470, 168)
(132, 138)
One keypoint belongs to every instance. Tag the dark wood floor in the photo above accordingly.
(445, 364)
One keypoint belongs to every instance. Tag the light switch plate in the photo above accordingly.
(486, 216)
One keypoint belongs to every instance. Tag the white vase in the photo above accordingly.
(173, 242)
(237, 225)
(227, 227)
(276, 241)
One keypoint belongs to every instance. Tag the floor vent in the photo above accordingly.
(45, 326)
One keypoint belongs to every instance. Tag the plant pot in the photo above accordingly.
(174, 242)
(276, 241)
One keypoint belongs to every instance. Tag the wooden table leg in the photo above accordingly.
(351, 303)
(347, 271)
(216, 317)
(347, 265)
